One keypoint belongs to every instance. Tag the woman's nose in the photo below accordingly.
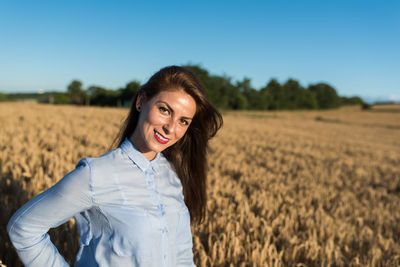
(169, 127)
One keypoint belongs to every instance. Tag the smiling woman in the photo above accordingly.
(133, 205)
(164, 120)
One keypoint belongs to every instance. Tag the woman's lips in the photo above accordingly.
(161, 139)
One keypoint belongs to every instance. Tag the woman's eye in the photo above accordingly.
(163, 109)
(185, 122)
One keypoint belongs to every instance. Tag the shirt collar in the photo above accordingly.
(138, 158)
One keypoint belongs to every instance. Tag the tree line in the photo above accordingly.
(222, 91)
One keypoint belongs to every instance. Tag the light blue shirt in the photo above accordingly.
(129, 212)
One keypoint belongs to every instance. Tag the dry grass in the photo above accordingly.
(285, 188)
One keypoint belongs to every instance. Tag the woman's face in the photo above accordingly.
(163, 120)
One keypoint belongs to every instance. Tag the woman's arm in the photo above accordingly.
(29, 225)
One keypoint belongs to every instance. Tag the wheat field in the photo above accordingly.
(305, 188)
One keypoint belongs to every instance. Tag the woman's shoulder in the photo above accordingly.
(167, 168)
(107, 159)
(100, 169)
(165, 164)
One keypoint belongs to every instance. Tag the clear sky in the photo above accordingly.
(352, 45)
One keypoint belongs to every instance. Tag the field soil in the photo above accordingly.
(303, 188)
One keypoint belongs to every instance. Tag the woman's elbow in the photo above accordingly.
(15, 232)
(21, 235)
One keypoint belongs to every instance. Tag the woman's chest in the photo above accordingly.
(141, 214)
(145, 233)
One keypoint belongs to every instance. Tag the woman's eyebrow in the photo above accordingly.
(169, 107)
(172, 110)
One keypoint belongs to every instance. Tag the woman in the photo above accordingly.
(132, 205)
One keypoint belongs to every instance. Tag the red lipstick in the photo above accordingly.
(159, 139)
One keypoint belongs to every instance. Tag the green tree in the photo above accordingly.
(326, 96)
(223, 94)
(75, 91)
(220, 90)
(291, 94)
(212, 84)
(273, 94)
(127, 93)
(100, 96)
(253, 97)
(307, 100)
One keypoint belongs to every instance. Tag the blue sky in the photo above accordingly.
(352, 45)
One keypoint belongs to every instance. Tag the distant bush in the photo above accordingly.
(366, 106)
(4, 97)
(355, 100)
(61, 99)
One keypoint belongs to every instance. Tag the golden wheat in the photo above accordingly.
(317, 188)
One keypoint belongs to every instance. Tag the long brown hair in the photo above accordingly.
(188, 155)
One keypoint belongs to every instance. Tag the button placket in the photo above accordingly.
(162, 214)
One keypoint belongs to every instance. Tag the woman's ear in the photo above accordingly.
(140, 100)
